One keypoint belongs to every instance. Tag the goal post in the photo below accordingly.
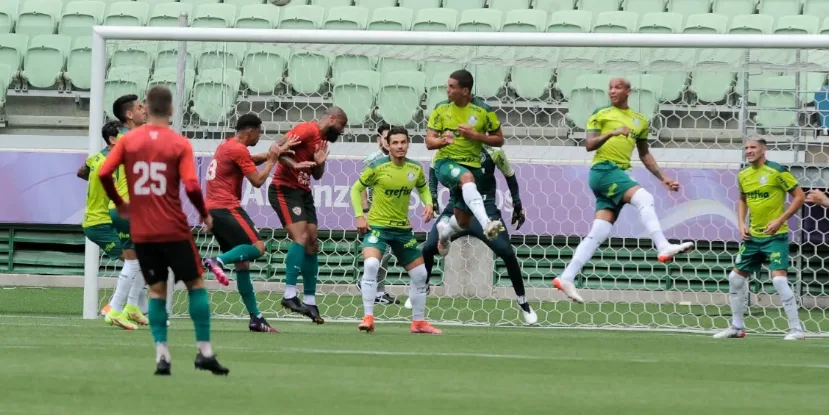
(623, 286)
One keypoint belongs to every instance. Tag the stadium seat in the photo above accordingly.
(217, 55)
(7, 75)
(819, 8)
(13, 48)
(778, 8)
(552, 6)
(817, 60)
(242, 3)
(671, 64)
(524, 21)
(619, 60)
(463, 5)
(663, 22)
(154, 3)
(214, 94)
(435, 20)
(167, 56)
(777, 103)
(589, 92)
(375, 4)
(8, 16)
(645, 93)
(258, 16)
(45, 60)
(307, 71)
(167, 14)
(264, 66)
(416, 5)
(169, 77)
(38, 18)
(127, 13)
(391, 18)
(327, 4)
(533, 69)
(480, 20)
(79, 63)
(295, 3)
(197, 3)
(122, 81)
(571, 21)
(615, 22)
(302, 17)
(506, 6)
(705, 24)
(490, 66)
(797, 25)
(79, 17)
(644, 6)
(435, 94)
(346, 18)
(342, 64)
(214, 15)
(598, 6)
(689, 7)
(135, 54)
(752, 24)
(574, 61)
(441, 61)
(715, 75)
(399, 98)
(355, 93)
(733, 8)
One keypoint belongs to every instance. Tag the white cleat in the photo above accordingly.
(493, 228)
(529, 316)
(443, 243)
(408, 304)
(569, 289)
(795, 335)
(673, 250)
(731, 333)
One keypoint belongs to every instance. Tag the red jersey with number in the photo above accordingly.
(231, 163)
(310, 137)
(156, 160)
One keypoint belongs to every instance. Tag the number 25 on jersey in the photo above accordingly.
(150, 179)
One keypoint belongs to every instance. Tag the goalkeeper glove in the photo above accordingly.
(518, 216)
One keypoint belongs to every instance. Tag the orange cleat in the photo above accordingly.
(367, 325)
(424, 327)
(105, 310)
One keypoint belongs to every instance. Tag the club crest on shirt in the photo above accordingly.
(637, 123)
(297, 210)
(372, 239)
(455, 172)
(472, 120)
(410, 176)
(153, 135)
(763, 180)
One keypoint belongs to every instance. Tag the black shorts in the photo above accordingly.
(180, 256)
(292, 205)
(233, 227)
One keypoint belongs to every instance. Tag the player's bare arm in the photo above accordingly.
(595, 139)
(436, 139)
(650, 163)
(742, 212)
(798, 198)
(259, 158)
(492, 139)
(83, 172)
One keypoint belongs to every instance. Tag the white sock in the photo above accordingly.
(369, 284)
(290, 291)
(161, 350)
(475, 203)
(122, 287)
(450, 230)
(205, 348)
(737, 291)
(143, 304)
(781, 284)
(310, 299)
(642, 200)
(587, 247)
(417, 292)
(137, 282)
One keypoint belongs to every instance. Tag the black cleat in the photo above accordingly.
(386, 299)
(294, 305)
(162, 368)
(260, 325)
(211, 364)
(313, 313)
(525, 307)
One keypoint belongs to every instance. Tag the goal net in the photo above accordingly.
(702, 100)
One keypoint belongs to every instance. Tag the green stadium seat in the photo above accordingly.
(344, 63)
(399, 98)
(524, 21)
(168, 77)
(714, 68)
(463, 5)
(802, 25)
(294, 3)
(355, 93)
(13, 48)
(127, 13)
(375, 4)
(302, 17)
(7, 75)
(589, 92)
(752, 24)
(552, 6)
(140, 54)
(167, 14)
(779, 8)
(571, 21)
(307, 71)
(490, 77)
(705, 24)
(327, 4)
(214, 15)
(435, 93)
(79, 17)
(733, 8)
(197, 3)
(689, 7)
(533, 72)
(619, 60)
(672, 64)
(441, 61)
(391, 18)
(662, 22)
(615, 22)
(79, 63)
(214, 94)
(242, 3)
(346, 18)
(598, 6)
(416, 5)
(644, 6)
(45, 60)
(435, 20)
(167, 56)
(154, 3)
(38, 18)
(264, 66)
(480, 20)
(777, 103)
(574, 61)
(645, 93)
(258, 16)
(797, 25)
(8, 15)
(819, 8)
(124, 80)
(217, 55)
(506, 6)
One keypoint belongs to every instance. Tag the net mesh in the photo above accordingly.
(701, 103)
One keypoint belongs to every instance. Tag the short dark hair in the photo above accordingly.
(383, 127)
(248, 121)
(160, 101)
(762, 141)
(464, 78)
(122, 105)
(111, 129)
(397, 130)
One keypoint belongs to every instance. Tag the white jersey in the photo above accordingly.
(371, 158)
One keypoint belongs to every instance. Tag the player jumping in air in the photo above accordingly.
(393, 179)
(232, 227)
(613, 132)
(290, 196)
(491, 159)
(458, 128)
(157, 161)
(763, 187)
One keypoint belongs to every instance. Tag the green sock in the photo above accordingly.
(200, 314)
(293, 262)
(240, 253)
(310, 269)
(245, 286)
(157, 314)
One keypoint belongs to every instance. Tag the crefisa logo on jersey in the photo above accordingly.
(410, 176)
(763, 180)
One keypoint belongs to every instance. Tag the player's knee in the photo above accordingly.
(372, 266)
(241, 266)
(158, 290)
(260, 245)
(642, 199)
(193, 284)
(467, 177)
(419, 276)
(129, 254)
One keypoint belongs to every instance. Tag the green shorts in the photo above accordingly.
(756, 250)
(609, 184)
(122, 226)
(106, 237)
(401, 241)
(449, 175)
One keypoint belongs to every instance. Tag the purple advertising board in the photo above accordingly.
(41, 188)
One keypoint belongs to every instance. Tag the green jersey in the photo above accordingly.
(447, 117)
(121, 178)
(617, 149)
(393, 185)
(97, 202)
(765, 188)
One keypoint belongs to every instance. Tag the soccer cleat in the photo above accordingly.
(529, 314)
(493, 228)
(408, 304)
(795, 335)
(162, 367)
(294, 305)
(105, 310)
(386, 299)
(135, 315)
(260, 325)
(422, 327)
(216, 269)
(211, 364)
(673, 250)
(569, 289)
(443, 243)
(121, 320)
(367, 325)
(312, 312)
(731, 333)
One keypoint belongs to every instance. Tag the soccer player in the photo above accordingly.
(613, 132)
(98, 227)
(290, 196)
(157, 160)
(232, 227)
(382, 296)
(491, 159)
(458, 128)
(393, 179)
(763, 187)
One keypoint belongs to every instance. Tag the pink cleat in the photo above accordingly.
(422, 327)
(217, 271)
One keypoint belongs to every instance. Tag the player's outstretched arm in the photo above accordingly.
(650, 163)
(115, 159)
(357, 190)
(817, 197)
(425, 194)
(742, 212)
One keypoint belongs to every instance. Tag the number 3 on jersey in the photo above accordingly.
(150, 179)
